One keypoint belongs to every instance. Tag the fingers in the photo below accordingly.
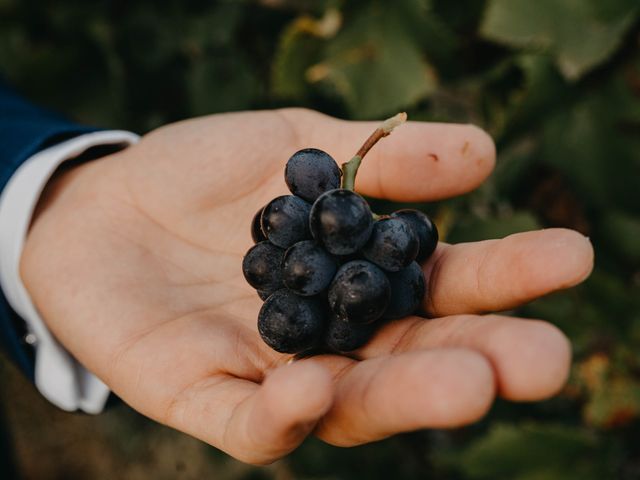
(496, 275)
(418, 162)
(379, 397)
(531, 358)
(257, 424)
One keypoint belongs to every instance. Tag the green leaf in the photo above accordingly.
(589, 144)
(297, 50)
(543, 90)
(583, 151)
(375, 65)
(580, 34)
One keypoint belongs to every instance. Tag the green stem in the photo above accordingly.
(350, 168)
(349, 171)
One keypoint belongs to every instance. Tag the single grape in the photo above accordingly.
(291, 324)
(307, 268)
(407, 291)
(261, 267)
(256, 230)
(285, 220)
(311, 172)
(343, 336)
(425, 229)
(359, 292)
(341, 221)
(393, 244)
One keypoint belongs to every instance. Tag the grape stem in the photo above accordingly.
(350, 168)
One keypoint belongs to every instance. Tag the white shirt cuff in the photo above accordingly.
(58, 375)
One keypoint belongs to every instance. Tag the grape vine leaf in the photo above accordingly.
(374, 64)
(580, 34)
(590, 143)
(298, 48)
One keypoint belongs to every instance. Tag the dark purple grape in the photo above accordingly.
(311, 172)
(359, 292)
(393, 244)
(285, 220)
(307, 269)
(256, 230)
(343, 336)
(263, 294)
(425, 229)
(342, 259)
(291, 324)
(261, 267)
(407, 291)
(341, 221)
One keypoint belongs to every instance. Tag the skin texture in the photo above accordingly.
(134, 262)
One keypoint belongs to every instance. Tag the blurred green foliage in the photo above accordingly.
(556, 82)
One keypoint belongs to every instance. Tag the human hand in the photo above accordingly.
(134, 262)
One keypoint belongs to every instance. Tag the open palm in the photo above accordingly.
(134, 261)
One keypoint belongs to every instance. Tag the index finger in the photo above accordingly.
(419, 161)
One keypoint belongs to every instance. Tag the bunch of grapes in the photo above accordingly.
(328, 269)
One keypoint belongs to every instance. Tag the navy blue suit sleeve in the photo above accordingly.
(24, 130)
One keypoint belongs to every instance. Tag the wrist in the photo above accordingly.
(36, 247)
